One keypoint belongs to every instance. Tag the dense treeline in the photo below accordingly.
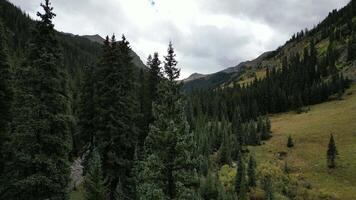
(338, 23)
(299, 82)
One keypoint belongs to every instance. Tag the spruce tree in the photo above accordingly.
(251, 172)
(40, 143)
(241, 183)
(94, 183)
(117, 107)
(170, 139)
(331, 153)
(151, 176)
(87, 109)
(351, 48)
(290, 142)
(6, 98)
(268, 187)
(154, 77)
(225, 148)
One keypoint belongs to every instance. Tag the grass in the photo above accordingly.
(77, 194)
(259, 74)
(311, 132)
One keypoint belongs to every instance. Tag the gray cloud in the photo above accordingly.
(209, 35)
(285, 15)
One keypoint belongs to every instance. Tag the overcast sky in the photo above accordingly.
(208, 35)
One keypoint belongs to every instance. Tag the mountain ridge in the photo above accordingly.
(335, 26)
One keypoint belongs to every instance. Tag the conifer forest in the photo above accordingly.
(83, 118)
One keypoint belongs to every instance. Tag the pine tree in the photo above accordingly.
(150, 184)
(154, 77)
(268, 187)
(40, 143)
(117, 109)
(6, 98)
(290, 142)
(241, 183)
(211, 188)
(170, 138)
(351, 48)
(87, 109)
(331, 153)
(225, 148)
(251, 172)
(94, 183)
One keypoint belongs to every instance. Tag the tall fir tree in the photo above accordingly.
(117, 107)
(251, 172)
(240, 179)
(170, 140)
(6, 98)
(94, 184)
(153, 80)
(87, 109)
(40, 143)
(331, 153)
(268, 187)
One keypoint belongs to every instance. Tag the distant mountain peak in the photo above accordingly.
(95, 38)
(194, 76)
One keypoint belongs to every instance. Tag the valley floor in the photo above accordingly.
(311, 132)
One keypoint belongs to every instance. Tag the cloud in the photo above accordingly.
(208, 35)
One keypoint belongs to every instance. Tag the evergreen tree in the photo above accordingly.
(151, 173)
(6, 97)
(351, 51)
(153, 80)
(117, 107)
(225, 148)
(290, 142)
(211, 188)
(240, 180)
(94, 184)
(170, 138)
(251, 172)
(268, 187)
(87, 109)
(331, 153)
(40, 143)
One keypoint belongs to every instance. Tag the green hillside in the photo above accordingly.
(338, 27)
(311, 131)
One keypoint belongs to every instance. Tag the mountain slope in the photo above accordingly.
(311, 132)
(136, 59)
(339, 26)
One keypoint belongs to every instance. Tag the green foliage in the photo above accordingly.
(211, 188)
(290, 142)
(241, 183)
(331, 153)
(150, 179)
(94, 184)
(40, 143)
(87, 110)
(268, 187)
(170, 140)
(116, 110)
(6, 98)
(226, 146)
(149, 92)
(227, 177)
(251, 172)
(301, 81)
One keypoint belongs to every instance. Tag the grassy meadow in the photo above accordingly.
(311, 132)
